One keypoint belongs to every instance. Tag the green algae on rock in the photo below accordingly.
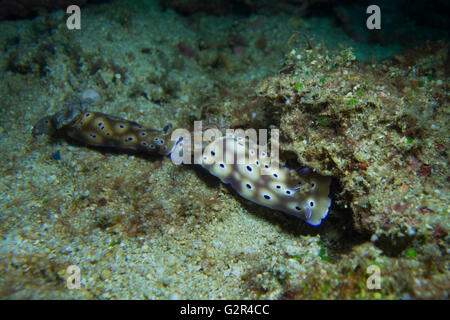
(370, 143)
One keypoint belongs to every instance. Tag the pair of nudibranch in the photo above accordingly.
(233, 158)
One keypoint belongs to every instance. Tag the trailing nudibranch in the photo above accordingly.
(258, 178)
(102, 130)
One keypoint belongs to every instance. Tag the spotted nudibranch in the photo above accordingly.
(258, 178)
(103, 130)
(304, 193)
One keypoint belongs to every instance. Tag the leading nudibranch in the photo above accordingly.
(300, 193)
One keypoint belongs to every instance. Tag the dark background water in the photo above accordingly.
(407, 22)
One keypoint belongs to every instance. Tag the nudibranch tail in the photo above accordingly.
(303, 194)
(43, 127)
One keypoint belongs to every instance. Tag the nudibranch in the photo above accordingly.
(304, 193)
(103, 130)
(258, 178)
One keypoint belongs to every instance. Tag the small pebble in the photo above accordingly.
(90, 95)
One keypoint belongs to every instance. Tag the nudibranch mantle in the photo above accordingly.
(302, 193)
(103, 130)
